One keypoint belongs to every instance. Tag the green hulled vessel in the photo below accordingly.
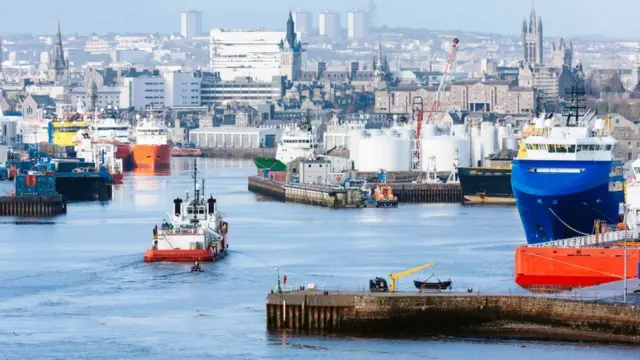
(269, 163)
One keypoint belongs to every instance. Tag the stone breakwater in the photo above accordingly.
(451, 314)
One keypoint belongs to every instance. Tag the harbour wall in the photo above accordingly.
(463, 314)
(334, 197)
(250, 153)
(32, 205)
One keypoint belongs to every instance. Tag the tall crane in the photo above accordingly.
(435, 107)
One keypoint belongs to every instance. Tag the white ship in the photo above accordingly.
(296, 143)
(195, 231)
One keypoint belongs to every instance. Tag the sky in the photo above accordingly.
(569, 18)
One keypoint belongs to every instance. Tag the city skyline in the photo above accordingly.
(163, 16)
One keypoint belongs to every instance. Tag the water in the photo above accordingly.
(78, 288)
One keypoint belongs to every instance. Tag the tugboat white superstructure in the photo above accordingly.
(195, 231)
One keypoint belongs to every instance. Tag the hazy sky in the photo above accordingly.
(612, 18)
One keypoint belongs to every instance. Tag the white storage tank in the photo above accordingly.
(489, 144)
(444, 149)
(476, 146)
(510, 142)
(503, 132)
(459, 130)
(353, 144)
(381, 150)
(429, 130)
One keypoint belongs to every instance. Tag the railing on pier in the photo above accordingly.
(596, 240)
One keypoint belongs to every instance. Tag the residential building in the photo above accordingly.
(143, 43)
(190, 24)
(142, 92)
(628, 135)
(36, 108)
(329, 24)
(303, 22)
(357, 24)
(182, 89)
(95, 97)
(96, 46)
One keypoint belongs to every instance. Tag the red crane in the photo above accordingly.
(435, 107)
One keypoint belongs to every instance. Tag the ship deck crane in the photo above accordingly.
(380, 284)
(435, 107)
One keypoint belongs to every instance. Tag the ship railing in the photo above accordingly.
(596, 240)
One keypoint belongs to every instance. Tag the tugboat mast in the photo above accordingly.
(195, 190)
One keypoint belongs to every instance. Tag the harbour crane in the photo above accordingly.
(435, 107)
(380, 284)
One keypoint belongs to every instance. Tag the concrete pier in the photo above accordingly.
(334, 197)
(32, 205)
(455, 314)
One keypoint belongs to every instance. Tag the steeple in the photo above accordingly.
(291, 31)
(58, 66)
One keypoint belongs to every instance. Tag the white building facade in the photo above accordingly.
(142, 92)
(181, 89)
(254, 54)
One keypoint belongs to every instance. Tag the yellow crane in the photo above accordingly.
(380, 285)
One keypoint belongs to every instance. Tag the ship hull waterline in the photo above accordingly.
(181, 256)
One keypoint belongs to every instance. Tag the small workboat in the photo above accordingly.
(196, 269)
(437, 285)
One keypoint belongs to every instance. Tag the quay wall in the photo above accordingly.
(406, 315)
(32, 205)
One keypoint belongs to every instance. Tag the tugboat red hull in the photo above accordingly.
(182, 255)
(117, 178)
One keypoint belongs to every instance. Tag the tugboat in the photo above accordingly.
(195, 232)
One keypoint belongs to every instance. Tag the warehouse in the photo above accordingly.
(235, 137)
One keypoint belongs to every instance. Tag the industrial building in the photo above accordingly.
(235, 137)
(181, 89)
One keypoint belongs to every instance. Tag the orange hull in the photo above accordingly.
(182, 255)
(559, 269)
(152, 156)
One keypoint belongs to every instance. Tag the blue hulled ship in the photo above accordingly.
(568, 178)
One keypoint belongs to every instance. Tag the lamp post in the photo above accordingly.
(278, 288)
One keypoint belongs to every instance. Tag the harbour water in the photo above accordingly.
(78, 288)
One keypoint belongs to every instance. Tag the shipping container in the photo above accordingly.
(270, 141)
(279, 176)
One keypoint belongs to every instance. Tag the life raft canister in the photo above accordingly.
(224, 227)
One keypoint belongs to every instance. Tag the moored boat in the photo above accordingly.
(434, 285)
(151, 148)
(179, 150)
(195, 231)
(568, 179)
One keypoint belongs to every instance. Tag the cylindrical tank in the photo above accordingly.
(510, 142)
(429, 130)
(476, 146)
(459, 130)
(444, 149)
(488, 133)
(381, 150)
(353, 143)
(540, 122)
(503, 132)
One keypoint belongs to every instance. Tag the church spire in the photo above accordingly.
(58, 67)
(291, 31)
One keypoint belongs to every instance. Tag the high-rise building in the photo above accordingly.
(329, 24)
(358, 24)
(259, 55)
(532, 40)
(58, 65)
(190, 24)
(303, 22)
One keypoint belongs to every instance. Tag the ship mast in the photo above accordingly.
(195, 190)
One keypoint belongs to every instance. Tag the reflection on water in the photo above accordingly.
(149, 172)
(89, 295)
